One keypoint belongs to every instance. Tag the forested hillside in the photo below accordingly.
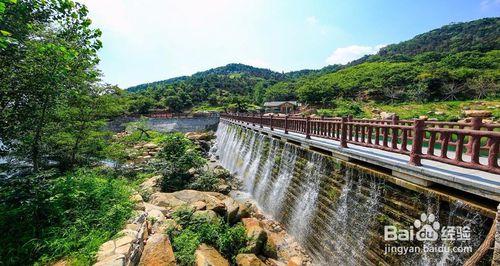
(459, 61)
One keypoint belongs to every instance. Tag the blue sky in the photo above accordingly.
(151, 40)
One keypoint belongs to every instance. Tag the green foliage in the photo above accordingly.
(174, 161)
(53, 108)
(184, 245)
(228, 240)
(342, 108)
(206, 181)
(44, 217)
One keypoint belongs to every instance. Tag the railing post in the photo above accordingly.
(286, 124)
(253, 119)
(261, 120)
(476, 123)
(308, 127)
(343, 132)
(394, 138)
(271, 122)
(349, 119)
(418, 139)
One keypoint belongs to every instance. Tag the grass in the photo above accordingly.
(45, 218)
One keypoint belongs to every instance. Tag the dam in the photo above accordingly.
(341, 210)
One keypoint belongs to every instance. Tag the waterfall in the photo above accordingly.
(337, 211)
(307, 199)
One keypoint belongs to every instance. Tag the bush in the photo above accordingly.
(44, 218)
(185, 245)
(174, 161)
(207, 181)
(229, 241)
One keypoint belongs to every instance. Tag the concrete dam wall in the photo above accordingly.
(340, 211)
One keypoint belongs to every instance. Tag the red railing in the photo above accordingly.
(473, 145)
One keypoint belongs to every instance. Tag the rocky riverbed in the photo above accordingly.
(144, 239)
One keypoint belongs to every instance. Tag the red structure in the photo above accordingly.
(455, 143)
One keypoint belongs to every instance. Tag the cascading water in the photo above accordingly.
(336, 211)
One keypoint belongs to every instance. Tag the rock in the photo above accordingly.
(224, 189)
(200, 135)
(139, 206)
(274, 262)
(232, 208)
(273, 242)
(128, 232)
(208, 215)
(439, 113)
(150, 183)
(199, 205)
(115, 260)
(148, 207)
(212, 199)
(134, 227)
(136, 197)
(295, 261)
(423, 117)
(167, 200)
(105, 250)
(158, 251)
(244, 210)
(156, 215)
(248, 260)
(477, 113)
(168, 225)
(208, 256)
(386, 115)
(124, 240)
(256, 233)
(150, 146)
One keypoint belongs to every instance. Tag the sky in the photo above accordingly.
(150, 40)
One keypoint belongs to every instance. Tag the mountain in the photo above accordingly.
(227, 70)
(478, 35)
(459, 61)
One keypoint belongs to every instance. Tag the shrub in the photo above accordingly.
(44, 217)
(174, 161)
(229, 241)
(207, 181)
(184, 245)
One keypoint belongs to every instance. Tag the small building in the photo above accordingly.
(284, 107)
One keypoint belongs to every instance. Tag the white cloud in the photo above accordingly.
(347, 54)
(312, 20)
(489, 4)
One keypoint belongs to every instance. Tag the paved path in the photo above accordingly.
(469, 180)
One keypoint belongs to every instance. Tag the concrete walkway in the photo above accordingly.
(469, 180)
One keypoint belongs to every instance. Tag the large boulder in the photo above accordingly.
(167, 200)
(208, 256)
(232, 208)
(150, 186)
(248, 260)
(256, 233)
(200, 135)
(157, 251)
